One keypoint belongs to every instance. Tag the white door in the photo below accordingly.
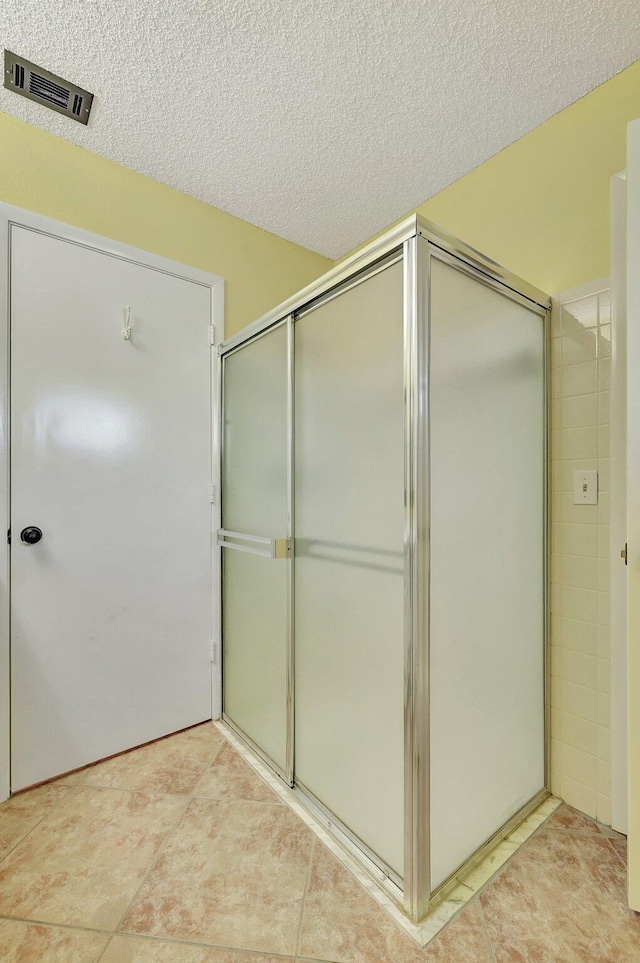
(111, 459)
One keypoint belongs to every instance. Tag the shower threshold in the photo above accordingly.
(451, 896)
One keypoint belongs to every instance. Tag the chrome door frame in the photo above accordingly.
(268, 549)
(415, 240)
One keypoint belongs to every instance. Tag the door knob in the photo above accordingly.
(31, 535)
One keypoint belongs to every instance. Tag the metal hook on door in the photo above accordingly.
(126, 331)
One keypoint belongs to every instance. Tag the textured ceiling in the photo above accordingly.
(319, 121)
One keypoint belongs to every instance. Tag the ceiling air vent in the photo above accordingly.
(31, 81)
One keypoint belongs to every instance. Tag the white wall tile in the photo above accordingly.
(575, 514)
(580, 313)
(604, 777)
(578, 795)
(604, 747)
(580, 442)
(604, 508)
(574, 634)
(574, 539)
(603, 810)
(580, 766)
(574, 667)
(579, 379)
(604, 575)
(604, 407)
(577, 699)
(604, 709)
(556, 352)
(580, 347)
(604, 543)
(604, 676)
(604, 608)
(575, 603)
(580, 576)
(604, 474)
(577, 732)
(604, 341)
(579, 411)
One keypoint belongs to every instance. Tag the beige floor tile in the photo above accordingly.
(562, 898)
(34, 943)
(230, 777)
(343, 923)
(136, 949)
(171, 765)
(463, 940)
(83, 863)
(21, 813)
(233, 874)
(567, 818)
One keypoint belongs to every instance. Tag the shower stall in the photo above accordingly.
(384, 552)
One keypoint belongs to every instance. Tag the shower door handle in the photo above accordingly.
(257, 544)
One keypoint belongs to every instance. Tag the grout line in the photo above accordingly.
(46, 813)
(149, 792)
(313, 959)
(188, 798)
(583, 832)
(207, 770)
(137, 791)
(166, 841)
(303, 901)
(106, 947)
(154, 861)
(486, 930)
(84, 773)
(240, 801)
(62, 926)
(148, 937)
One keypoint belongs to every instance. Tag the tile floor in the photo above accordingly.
(179, 853)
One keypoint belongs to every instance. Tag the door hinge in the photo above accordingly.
(9, 536)
(212, 494)
(623, 554)
(213, 651)
(212, 334)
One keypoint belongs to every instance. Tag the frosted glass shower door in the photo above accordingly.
(486, 634)
(254, 523)
(349, 518)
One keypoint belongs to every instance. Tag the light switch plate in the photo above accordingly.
(585, 488)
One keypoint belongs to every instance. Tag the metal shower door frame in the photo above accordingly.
(415, 241)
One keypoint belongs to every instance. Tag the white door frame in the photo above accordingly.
(619, 603)
(14, 216)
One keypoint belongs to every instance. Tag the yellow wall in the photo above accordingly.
(48, 175)
(541, 206)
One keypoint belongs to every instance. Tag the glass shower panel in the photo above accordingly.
(486, 562)
(349, 519)
(254, 586)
